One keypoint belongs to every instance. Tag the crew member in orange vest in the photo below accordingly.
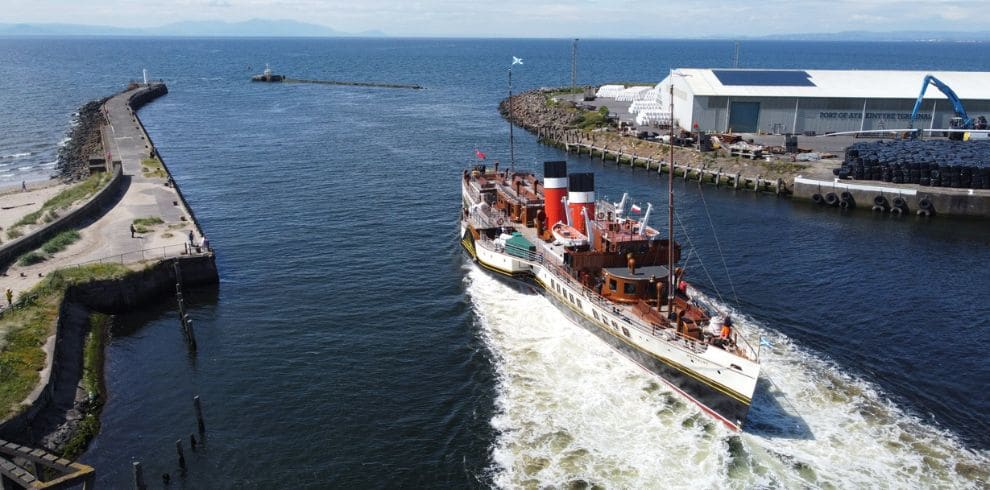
(726, 335)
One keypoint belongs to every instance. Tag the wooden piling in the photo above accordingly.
(192, 442)
(182, 457)
(138, 476)
(199, 415)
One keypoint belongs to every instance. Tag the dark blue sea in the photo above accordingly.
(351, 345)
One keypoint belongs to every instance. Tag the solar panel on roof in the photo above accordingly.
(765, 78)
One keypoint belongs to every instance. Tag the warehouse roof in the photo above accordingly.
(871, 84)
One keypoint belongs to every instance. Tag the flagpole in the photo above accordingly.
(512, 149)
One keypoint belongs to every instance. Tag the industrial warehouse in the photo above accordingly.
(811, 102)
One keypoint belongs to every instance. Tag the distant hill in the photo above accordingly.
(950, 36)
(248, 28)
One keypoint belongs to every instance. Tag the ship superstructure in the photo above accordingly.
(611, 274)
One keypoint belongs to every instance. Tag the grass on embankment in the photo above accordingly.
(51, 247)
(92, 382)
(153, 167)
(144, 225)
(30, 323)
(62, 200)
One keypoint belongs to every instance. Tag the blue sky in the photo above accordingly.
(529, 18)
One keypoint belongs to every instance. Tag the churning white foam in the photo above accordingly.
(573, 412)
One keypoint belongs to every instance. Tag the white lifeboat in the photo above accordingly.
(568, 236)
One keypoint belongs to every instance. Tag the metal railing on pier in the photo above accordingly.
(144, 255)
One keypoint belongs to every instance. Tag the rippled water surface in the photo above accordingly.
(350, 344)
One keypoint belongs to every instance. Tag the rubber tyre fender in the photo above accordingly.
(925, 204)
(846, 204)
(899, 202)
(880, 201)
(831, 199)
(817, 198)
(896, 211)
(924, 212)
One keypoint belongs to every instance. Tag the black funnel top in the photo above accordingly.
(582, 182)
(555, 169)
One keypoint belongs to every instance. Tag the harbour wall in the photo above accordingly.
(962, 203)
(94, 207)
(132, 291)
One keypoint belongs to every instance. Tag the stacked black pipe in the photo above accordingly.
(939, 163)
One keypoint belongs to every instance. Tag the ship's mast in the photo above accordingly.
(670, 204)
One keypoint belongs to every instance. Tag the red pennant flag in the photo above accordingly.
(636, 209)
(479, 154)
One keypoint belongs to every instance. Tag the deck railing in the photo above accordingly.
(666, 333)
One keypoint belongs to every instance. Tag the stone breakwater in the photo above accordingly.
(84, 140)
(556, 125)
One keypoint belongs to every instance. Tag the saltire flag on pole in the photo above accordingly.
(479, 154)
(635, 209)
(516, 61)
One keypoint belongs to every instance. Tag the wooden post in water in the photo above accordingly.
(182, 457)
(199, 415)
(138, 476)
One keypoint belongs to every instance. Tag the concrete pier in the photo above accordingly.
(141, 186)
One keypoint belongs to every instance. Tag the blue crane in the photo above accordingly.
(965, 123)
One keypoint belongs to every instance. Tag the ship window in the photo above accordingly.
(629, 288)
(614, 325)
(625, 331)
(595, 312)
(612, 285)
(572, 297)
(579, 305)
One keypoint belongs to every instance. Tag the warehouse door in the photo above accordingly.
(744, 117)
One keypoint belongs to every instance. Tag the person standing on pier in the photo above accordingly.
(10, 297)
(132, 230)
(192, 242)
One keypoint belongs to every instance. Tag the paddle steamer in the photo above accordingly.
(611, 274)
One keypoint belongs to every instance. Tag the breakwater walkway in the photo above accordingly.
(138, 219)
(144, 189)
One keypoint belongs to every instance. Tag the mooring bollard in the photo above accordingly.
(138, 476)
(182, 457)
(199, 415)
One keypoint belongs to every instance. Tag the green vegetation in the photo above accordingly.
(144, 225)
(30, 322)
(77, 192)
(592, 119)
(28, 219)
(62, 200)
(50, 216)
(31, 258)
(60, 242)
(51, 247)
(92, 381)
(153, 167)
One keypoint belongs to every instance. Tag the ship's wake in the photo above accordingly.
(573, 412)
